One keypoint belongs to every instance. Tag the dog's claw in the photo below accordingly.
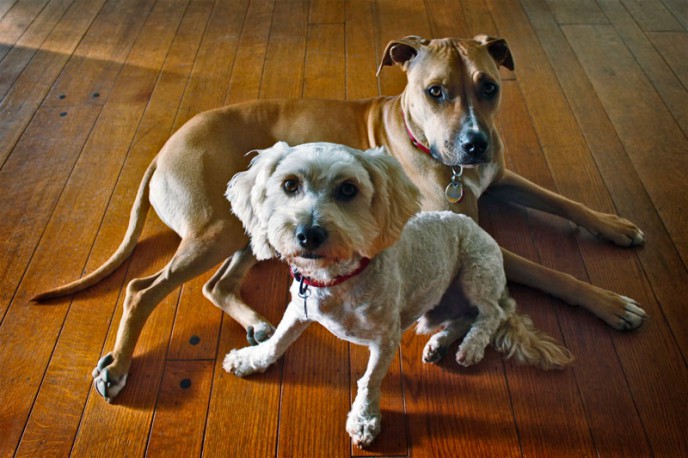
(102, 364)
(632, 316)
(260, 333)
(469, 355)
(106, 385)
(363, 429)
(434, 354)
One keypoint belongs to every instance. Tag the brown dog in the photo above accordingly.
(441, 128)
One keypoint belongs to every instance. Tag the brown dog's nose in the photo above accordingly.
(310, 237)
(474, 143)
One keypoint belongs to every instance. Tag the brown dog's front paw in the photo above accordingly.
(259, 333)
(617, 230)
(107, 384)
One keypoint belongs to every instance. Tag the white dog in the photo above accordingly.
(366, 268)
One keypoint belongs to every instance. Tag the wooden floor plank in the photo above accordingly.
(456, 411)
(652, 15)
(574, 174)
(245, 81)
(117, 110)
(672, 46)
(659, 73)
(180, 412)
(89, 75)
(540, 399)
(327, 12)
(610, 267)
(22, 320)
(17, 57)
(254, 401)
(679, 9)
(448, 20)
(630, 198)
(213, 63)
(361, 50)
(17, 20)
(284, 61)
(325, 62)
(578, 12)
(633, 112)
(23, 99)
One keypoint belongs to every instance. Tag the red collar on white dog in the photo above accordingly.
(305, 282)
(363, 263)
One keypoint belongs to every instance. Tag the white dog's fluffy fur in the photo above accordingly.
(363, 206)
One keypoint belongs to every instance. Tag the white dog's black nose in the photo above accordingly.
(310, 237)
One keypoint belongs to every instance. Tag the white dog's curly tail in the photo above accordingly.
(518, 338)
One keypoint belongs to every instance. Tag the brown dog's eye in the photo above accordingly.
(290, 186)
(490, 89)
(435, 92)
(347, 191)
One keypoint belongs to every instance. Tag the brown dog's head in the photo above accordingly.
(453, 94)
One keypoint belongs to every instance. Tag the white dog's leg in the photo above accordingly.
(440, 342)
(248, 360)
(472, 349)
(363, 421)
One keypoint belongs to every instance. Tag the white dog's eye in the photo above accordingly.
(290, 186)
(347, 191)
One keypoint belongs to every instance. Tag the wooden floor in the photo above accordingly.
(597, 109)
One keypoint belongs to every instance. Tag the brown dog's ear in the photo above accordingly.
(396, 198)
(247, 191)
(401, 51)
(498, 49)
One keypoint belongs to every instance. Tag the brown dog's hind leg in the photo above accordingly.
(620, 312)
(223, 290)
(193, 257)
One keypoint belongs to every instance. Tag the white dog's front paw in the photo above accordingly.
(363, 427)
(469, 354)
(244, 362)
(107, 384)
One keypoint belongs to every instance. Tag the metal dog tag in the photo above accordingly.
(454, 191)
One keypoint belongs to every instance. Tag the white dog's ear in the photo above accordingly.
(395, 198)
(247, 191)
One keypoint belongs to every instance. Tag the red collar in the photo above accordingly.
(415, 142)
(335, 281)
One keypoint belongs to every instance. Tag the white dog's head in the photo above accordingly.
(319, 204)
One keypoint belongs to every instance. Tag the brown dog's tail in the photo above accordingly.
(518, 337)
(137, 220)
